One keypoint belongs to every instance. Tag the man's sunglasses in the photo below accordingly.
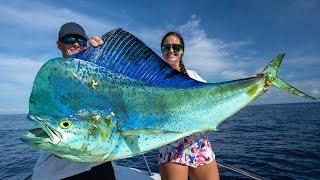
(73, 39)
(175, 47)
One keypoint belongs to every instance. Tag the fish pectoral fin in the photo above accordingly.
(135, 132)
(132, 143)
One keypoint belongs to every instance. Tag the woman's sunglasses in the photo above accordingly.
(175, 47)
(73, 39)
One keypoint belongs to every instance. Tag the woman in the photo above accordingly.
(191, 155)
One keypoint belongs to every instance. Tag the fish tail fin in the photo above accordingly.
(270, 72)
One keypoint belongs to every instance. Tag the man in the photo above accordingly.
(72, 39)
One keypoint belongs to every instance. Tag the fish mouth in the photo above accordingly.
(44, 133)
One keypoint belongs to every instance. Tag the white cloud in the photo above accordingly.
(309, 82)
(14, 98)
(315, 91)
(14, 91)
(236, 74)
(17, 75)
(20, 71)
(305, 60)
(211, 56)
(13, 111)
(41, 17)
(290, 75)
(151, 36)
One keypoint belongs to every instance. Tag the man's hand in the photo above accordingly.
(95, 41)
(260, 74)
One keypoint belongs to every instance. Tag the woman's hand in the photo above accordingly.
(266, 83)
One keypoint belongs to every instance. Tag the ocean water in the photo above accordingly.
(272, 141)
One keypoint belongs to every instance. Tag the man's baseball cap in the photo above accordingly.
(72, 28)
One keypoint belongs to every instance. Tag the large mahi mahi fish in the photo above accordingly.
(121, 99)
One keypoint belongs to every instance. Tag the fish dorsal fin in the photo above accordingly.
(123, 53)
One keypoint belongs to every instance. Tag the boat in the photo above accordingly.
(124, 173)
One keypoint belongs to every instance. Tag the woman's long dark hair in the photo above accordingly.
(181, 65)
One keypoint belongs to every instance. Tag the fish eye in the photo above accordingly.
(65, 124)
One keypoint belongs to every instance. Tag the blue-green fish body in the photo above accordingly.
(121, 99)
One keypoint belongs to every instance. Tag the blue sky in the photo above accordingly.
(225, 40)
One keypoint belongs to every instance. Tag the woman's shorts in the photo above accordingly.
(193, 151)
